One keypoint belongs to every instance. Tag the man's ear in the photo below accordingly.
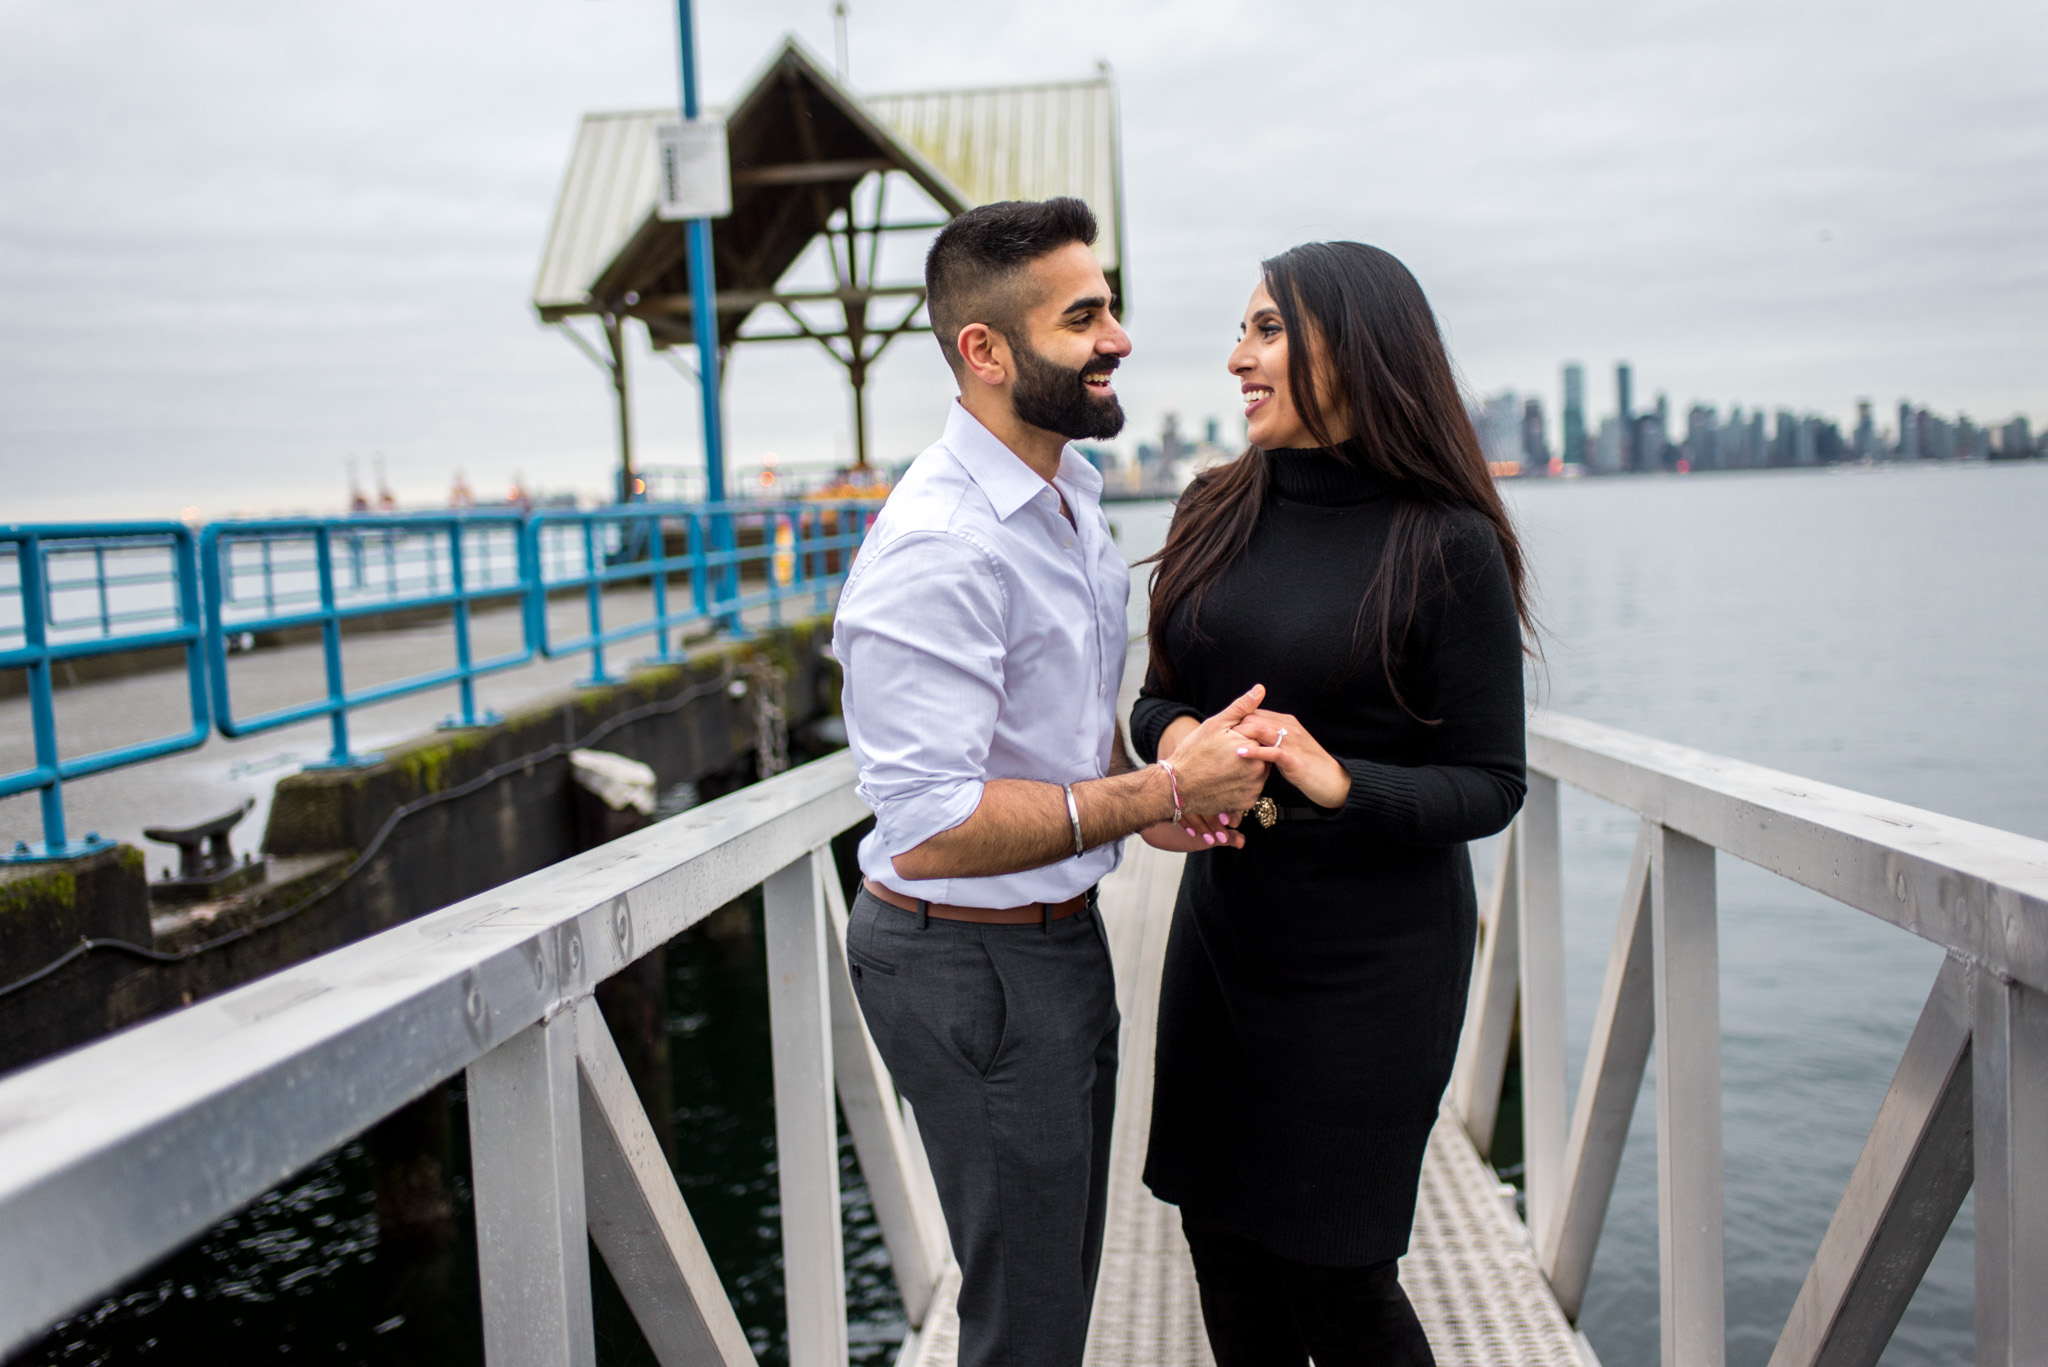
(985, 353)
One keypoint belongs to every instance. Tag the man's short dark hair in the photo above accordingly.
(973, 271)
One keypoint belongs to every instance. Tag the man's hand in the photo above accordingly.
(1215, 778)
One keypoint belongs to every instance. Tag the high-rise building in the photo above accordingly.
(1498, 423)
(1653, 442)
(1866, 432)
(1735, 441)
(2016, 439)
(1606, 452)
(1702, 438)
(1574, 414)
(1785, 439)
(1624, 394)
(1909, 433)
(1535, 438)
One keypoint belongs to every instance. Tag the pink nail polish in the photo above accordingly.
(1223, 818)
(1242, 751)
(1189, 829)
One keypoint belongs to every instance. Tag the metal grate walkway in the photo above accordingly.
(1470, 1272)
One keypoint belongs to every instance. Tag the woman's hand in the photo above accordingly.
(1283, 742)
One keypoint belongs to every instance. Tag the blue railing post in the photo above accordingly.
(660, 577)
(330, 640)
(700, 567)
(467, 687)
(821, 566)
(593, 594)
(42, 706)
(192, 617)
(99, 566)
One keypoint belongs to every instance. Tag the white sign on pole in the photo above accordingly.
(696, 170)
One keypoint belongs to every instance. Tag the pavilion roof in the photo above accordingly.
(800, 143)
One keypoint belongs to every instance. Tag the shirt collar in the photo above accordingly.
(1003, 477)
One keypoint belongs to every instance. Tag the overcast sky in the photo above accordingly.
(243, 240)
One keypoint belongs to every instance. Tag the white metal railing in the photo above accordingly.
(1969, 1101)
(114, 1155)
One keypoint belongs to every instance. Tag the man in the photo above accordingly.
(982, 633)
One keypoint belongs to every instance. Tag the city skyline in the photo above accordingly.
(1514, 431)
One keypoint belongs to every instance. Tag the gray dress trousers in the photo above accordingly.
(1004, 1040)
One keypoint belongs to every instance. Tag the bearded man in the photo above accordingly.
(982, 634)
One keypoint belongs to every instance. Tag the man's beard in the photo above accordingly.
(1053, 398)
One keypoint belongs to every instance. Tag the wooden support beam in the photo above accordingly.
(810, 172)
(1909, 1182)
(738, 301)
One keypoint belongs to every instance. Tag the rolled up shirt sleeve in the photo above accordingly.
(920, 636)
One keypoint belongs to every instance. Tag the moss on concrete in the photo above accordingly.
(424, 763)
(30, 888)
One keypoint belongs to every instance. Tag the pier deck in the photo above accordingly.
(1470, 1271)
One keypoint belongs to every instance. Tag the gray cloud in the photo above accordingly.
(240, 241)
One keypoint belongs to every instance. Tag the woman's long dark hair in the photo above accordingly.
(1357, 314)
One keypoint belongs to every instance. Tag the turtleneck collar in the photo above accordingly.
(1328, 475)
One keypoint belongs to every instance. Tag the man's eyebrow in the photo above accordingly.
(1084, 305)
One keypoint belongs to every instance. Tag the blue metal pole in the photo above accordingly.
(461, 620)
(330, 641)
(704, 319)
(42, 706)
(703, 288)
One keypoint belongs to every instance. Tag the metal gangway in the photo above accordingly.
(114, 1155)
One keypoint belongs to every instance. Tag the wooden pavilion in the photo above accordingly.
(804, 149)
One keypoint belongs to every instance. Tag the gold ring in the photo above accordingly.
(1266, 811)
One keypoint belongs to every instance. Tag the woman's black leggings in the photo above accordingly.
(1263, 1310)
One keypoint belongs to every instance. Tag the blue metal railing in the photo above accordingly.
(323, 573)
(74, 591)
(803, 548)
(68, 591)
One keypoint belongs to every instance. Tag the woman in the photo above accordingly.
(1358, 563)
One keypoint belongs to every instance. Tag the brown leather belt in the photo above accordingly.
(1030, 914)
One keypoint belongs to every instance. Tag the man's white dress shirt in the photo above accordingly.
(982, 637)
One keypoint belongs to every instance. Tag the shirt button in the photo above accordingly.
(1067, 542)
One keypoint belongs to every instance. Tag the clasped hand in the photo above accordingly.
(1216, 778)
(1269, 739)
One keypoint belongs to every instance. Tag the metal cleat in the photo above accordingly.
(207, 867)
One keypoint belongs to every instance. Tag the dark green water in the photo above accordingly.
(310, 1273)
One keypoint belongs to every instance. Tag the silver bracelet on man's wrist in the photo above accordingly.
(1074, 816)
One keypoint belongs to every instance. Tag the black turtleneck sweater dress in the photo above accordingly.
(1315, 980)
